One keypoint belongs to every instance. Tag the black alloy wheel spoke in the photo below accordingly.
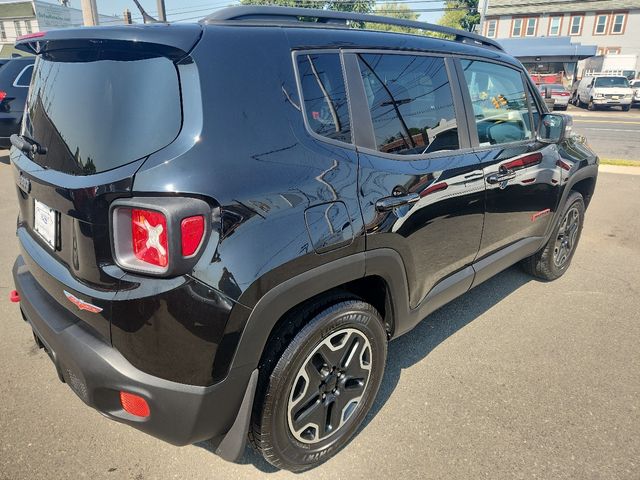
(329, 385)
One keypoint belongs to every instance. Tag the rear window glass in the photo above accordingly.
(98, 115)
(325, 96)
(411, 103)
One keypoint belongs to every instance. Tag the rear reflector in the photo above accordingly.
(149, 237)
(14, 296)
(192, 229)
(134, 404)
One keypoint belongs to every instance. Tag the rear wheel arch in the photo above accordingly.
(585, 187)
(382, 283)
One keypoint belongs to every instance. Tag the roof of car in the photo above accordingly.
(330, 20)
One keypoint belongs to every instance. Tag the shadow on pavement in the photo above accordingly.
(5, 159)
(422, 340)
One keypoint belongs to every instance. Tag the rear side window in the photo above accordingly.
(499, 100)
(324, 95)
(411, 103)
(24, 77)
(101, 110)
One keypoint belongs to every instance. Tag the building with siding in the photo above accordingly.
(24, 17)
(611, 26)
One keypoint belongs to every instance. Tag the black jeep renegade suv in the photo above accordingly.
(223, 224)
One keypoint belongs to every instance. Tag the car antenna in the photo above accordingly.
(145, 16)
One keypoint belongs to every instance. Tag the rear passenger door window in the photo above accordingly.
(324, 95)
(499, 101)
(410, 102)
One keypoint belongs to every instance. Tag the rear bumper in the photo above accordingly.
(180, 414)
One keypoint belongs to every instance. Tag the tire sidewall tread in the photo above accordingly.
(270, 432)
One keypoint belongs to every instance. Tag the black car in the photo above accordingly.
(222, 224)
(15, 77)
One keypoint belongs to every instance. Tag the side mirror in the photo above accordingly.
(554, 127)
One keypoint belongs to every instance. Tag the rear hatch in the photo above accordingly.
(101, 101)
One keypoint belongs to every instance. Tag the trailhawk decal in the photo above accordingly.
(81, 304)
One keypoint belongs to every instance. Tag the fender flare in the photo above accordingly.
(384, 262)
(589, 171)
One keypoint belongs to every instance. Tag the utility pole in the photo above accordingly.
(127, 16)
(483, 15)
(90, 13)
(162, 11)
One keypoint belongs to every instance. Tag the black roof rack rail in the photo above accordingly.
(294, 14)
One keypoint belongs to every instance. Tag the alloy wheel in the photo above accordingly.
(566, 239)
(329, 386)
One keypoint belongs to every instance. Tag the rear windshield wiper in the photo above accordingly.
(27, 145)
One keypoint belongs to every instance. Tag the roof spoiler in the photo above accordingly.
(287, 15)
(174, 41)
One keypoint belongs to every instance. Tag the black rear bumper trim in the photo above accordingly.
(180, 414)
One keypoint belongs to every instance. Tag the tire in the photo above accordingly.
(553, 260)
(626, 108)
(304, 385)
(592, 106)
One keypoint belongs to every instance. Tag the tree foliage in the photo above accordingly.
(395, 10)
(360, 6)
(461, 14)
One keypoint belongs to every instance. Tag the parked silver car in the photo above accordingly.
(558, 92)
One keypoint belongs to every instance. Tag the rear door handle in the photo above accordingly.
(501, 177)
(389, 203)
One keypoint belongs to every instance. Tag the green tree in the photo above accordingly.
(461, 14)
(395, 10)
(360, 6)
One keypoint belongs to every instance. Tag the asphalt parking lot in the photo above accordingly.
(516, 379)
(613, 134)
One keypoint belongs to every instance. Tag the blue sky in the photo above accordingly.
(196, 9)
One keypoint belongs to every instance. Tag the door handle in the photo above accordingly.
(389, 203)
(501, 177)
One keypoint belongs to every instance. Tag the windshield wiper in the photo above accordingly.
(27, 145)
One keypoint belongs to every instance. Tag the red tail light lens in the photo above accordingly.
(3, 95)
(134, 404)
(561, 93)
(160, 236)
(192, 229)
(149, 237)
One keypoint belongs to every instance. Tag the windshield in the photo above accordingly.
(611, 82)
(96, 114)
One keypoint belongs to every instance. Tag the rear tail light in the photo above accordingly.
(149, 237)
(192, 233)
(3, 95)
(159, 236)
(134, 404)
(560, 93)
